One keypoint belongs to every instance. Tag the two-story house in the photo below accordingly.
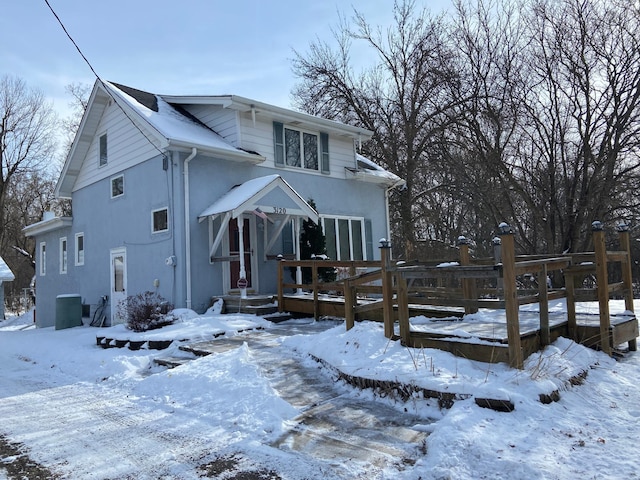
(195, 196)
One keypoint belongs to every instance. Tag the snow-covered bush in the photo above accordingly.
(146, 311)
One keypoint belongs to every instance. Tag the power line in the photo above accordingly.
(100, 79)
(72, 40)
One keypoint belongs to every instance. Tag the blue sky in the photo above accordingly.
(241, 47)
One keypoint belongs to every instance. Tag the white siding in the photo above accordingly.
(259, 138)
(126, 147)
(221, 120)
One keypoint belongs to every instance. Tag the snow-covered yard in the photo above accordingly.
(83, 412)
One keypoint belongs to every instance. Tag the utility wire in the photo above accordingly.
(72, 40)
(100, 79)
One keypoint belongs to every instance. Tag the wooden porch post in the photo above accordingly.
(625, 245)
(243, 272)
(602, 280)
(511, 296)
(280, 287)
(569, 285)
(349, 304)
(543, 301)
(497, 258)
(387, 288)
(623, 235)
(403, 309)
(468, 284)
(296, 227)
(315, 287)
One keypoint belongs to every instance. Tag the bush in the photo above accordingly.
(146, 311)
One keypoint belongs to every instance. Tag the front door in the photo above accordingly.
(234, 250)
(118, 283)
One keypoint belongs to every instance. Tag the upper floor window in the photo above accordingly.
(297, 148)
(79, 260)
(103, 149)
(160, 220)
(43, 259)
(117, 186)
(63, 255)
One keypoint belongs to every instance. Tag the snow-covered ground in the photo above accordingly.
(82, 411)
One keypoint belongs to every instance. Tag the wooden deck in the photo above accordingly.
(474, 336)
(399, 293)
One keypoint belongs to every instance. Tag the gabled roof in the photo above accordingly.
(167, 124)
(249, 196)
(163, 124)
(247, 105)
(6, 275)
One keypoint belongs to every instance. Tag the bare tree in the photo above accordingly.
(404, 98)
(79, 101)
(27, 156)
(490, 91)
(581, 143)
(548, 137)
(27, 136)
(523, 111)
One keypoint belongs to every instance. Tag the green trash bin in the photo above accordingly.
(68, 311)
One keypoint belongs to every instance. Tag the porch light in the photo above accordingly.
(622, 226)
(505, 228)
(596, 226)
(384, 243)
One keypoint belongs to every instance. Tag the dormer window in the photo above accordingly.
(302, 149)
(103, 150)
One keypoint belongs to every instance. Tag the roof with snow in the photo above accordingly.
(264, 194)
(6, 275)
(372, 172)
(167, 124)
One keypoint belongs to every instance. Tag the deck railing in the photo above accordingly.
(471, 284)
(316, 286)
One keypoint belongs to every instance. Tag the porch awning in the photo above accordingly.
(266, 195)
(6, 275)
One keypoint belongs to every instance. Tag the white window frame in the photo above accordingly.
(64, 249)
(79, 259)
(43, 258)
(322, 156)
(153, 230)
(334, 218)
(113, 179)
(106, 150)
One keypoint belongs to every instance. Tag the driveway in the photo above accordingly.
(93, 428)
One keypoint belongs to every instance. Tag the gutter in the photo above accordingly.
(187, 224)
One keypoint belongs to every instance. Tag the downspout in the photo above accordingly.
(187, 224)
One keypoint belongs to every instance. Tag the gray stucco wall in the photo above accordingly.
(53, 283)
(109, 223)
(125, 222)
(210, 179)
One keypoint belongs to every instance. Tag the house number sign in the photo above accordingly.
(280, 210)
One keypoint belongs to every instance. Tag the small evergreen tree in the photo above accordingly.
(313, 243)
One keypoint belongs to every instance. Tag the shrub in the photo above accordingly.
(146, 311)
